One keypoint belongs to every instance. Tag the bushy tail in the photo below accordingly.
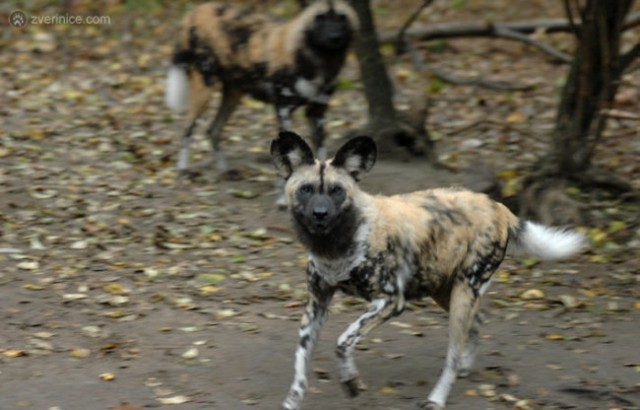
(545, 242)
(177, 88)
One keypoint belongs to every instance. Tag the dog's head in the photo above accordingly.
(321, 194)
(332, 26)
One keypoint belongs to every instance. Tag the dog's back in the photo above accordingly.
(219, 42)
(444, 220)
(436, 234)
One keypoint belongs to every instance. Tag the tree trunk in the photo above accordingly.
(590, 88)
(377, 85)
(385, 124)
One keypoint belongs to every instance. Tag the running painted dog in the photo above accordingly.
(289, 65)
(443, 243)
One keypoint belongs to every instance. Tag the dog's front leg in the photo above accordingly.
(283, 114)
(230, 99)
(315, 112)
(380, 310)
(315, 314)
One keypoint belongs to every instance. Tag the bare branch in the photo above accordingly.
(631, 22)
(514, 35)
(482, 30)
(401, 40)
(421, 66)
(485, 29)
(474, 81)
(627, 58)
(416, 57)
(620, 114)
(569, 13)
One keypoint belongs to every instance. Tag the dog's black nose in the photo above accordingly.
(320, 212)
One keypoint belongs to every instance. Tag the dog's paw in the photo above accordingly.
(353, 387)
(188, 174)
(232, 175)
(429, 405)
(464, 373)
(281, 202)
(287, 405)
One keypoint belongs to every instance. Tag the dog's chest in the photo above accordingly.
(290, 85)
(367, 277)
(370, 277)
(296, 89)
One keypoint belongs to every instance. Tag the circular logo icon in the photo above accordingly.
(18, 19)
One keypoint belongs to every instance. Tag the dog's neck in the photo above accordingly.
(338, 268)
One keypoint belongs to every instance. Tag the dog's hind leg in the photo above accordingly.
(463, 308)
(230, 100)
(199, 95)
(380, 310)
(471, 348)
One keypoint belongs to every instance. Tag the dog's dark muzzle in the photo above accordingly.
(319, 215)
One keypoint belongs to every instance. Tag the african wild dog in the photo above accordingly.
(444, 243)
(288, 64)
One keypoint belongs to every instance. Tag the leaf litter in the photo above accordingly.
(89, 193)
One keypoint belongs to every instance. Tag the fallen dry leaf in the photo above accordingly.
(531, 294)
(107, 377)
(173, 400)
(126, 406)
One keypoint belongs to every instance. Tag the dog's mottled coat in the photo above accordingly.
(443, 243)
(288, 64)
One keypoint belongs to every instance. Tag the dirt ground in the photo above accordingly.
(119, 284)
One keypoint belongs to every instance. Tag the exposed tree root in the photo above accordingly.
(544, 198)
(546, 201)
(395, 134)
(601, 179)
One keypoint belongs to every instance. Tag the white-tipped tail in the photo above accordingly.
(177, 89)
(546, 242)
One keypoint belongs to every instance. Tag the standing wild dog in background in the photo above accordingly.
(442, 243)
(287, 64)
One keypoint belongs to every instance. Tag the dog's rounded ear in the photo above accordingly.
(357, 156)
(289, 151)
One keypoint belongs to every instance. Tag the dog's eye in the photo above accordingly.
(306, 189)
(336, 190)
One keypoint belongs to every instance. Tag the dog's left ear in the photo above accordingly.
(357, 156)
(289, 152)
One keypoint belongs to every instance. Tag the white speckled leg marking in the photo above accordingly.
(284, 117)
(221, 162)
(183, 157)
(314, 317)
(322, 153)
(380, 310)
